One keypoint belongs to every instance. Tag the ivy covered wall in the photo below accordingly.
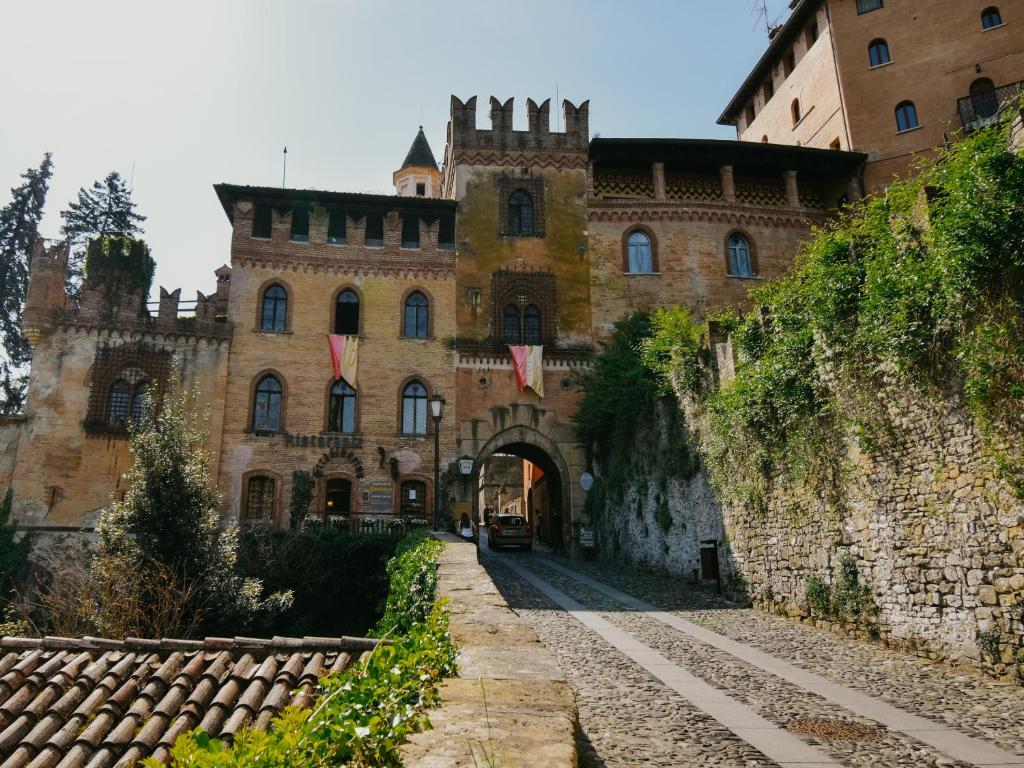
(862, 430)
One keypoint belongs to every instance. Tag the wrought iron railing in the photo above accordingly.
(984, 107)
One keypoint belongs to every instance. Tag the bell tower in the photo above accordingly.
(418, 176)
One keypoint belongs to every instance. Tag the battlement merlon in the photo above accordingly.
(46, 296)
(463, 132)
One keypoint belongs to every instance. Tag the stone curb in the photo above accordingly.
(510, 704)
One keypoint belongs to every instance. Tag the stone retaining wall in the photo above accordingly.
(937, 537)
(510, 704)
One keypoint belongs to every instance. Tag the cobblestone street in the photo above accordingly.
(668, 675)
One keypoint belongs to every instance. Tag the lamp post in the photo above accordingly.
(437, 411)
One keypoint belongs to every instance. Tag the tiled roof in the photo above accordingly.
(97, 703)
(419, 155)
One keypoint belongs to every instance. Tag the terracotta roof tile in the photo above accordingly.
(99, 703)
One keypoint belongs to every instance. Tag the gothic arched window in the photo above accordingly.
(342, 411)
(510, 324)
(417, 316)
(346, 313)
(275, 309)
(531, 325)
(117, 404)
(266, 408)
(639, 253)
(414, 409)
(740, 263)
(520, 213)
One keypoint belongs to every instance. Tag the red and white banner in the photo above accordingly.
(528, 364)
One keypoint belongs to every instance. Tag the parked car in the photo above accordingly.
(510, 529)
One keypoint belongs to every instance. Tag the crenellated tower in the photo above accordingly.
(46, 296)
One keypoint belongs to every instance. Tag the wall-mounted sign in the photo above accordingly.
(466, 465)
(586, 481)
(379, 496)
(587, 538)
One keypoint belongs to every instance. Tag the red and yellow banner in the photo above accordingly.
(528, 364)
(344, 357)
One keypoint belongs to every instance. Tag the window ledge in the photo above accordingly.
(641, 274)
(745, 277)
(264, 239)
(349, 435)
(909, 130)
(410, 247)
(880, 66)
(997, 26)
(303, 240)
(263, 432)
(265, 332)
(373, 243)
(338, 243)
(403, 337)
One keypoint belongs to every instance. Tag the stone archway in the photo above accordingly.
(532, 445)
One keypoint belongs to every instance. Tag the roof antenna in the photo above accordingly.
(760, 11)
(131, 179)
(284, 167)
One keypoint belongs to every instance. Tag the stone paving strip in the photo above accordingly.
(627, 718)
(846, 738)
(949, 741)
(777, 744)
(991, 710)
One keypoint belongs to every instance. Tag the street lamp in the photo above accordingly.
(437, 411)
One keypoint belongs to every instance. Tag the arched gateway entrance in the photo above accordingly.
(555, 499)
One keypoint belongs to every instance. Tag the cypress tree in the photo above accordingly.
(19, 228)
(105, 209)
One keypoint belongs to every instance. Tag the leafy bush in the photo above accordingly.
(413, 583)
(819, 596)
(361, 716)
(169, 522)
(13, 551)
(320, 565)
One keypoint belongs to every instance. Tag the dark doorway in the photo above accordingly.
(338, 500)
(414, 499)
(709, 562)
(983, 97)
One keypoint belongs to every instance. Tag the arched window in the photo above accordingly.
(906, 116)
(259, 501)
(878, 53)
(266, 408)
(142, 403)
(639, 253)
(983, 98)
(991, 17)
(740, 264)
(275, 309)
(342, 412)
(414, 409)
(117, 404)
(346, 313)
(510, 324)
(520, 213)
(417, 316)
(338, 497)
(531, 325)
(794, 108)
(764, 139)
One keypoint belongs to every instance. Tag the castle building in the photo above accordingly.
(341, 315)
(890, 78)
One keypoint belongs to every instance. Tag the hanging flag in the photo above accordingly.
(527, 362)
(535, 369)
(519, 360)
(344, 357)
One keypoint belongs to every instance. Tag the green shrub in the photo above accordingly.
(13, 552)
(989, 642)
(361, 716)
(818, 596)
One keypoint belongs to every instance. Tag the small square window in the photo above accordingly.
(421, 190)
(262, 222)
(300, 225)
(410, 231)
(866, 6)
(446, 233)
(336, 234)
(374, 230)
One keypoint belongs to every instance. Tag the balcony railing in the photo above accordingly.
(984, 107)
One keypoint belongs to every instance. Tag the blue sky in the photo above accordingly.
(193, 92)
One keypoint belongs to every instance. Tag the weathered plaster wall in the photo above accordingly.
(935, 534)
